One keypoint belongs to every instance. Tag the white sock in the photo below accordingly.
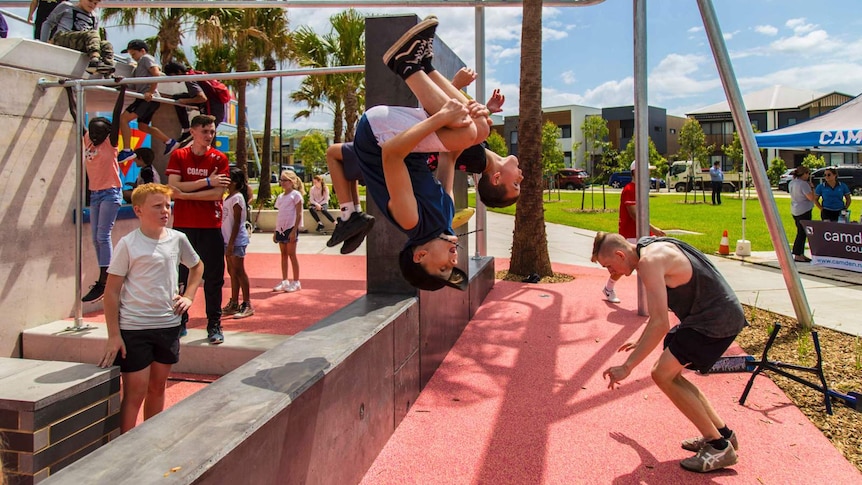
(610, 284)
(346, 210)
(357, 207)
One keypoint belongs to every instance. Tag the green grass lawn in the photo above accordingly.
(669, 211)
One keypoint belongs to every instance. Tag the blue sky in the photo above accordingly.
(588, 51)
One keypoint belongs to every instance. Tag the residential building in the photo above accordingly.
(770, 109)
(569, 119)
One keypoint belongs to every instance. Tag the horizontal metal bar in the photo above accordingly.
(358, 4)
(136, 95)
(227, 76)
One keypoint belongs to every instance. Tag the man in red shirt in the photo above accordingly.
(627, 228)
(198, 175)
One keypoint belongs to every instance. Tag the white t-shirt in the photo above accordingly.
(388, 121)
(228, 220)
(150, 268)
(286, 205)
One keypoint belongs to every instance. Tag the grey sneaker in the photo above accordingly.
(611, 296)
(708, 459)
(215, 335)
(231, 308)
(406, 55)
(245, 310)
(695, 444)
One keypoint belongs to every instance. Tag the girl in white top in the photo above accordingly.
(236, 240)
(288, 222)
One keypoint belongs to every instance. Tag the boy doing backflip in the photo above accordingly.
(392, 144)
(679, 278)
(143, 304)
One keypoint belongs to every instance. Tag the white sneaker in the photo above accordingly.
(610, 295)
(281, 286)
(293, 286)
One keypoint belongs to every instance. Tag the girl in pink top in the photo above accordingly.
(106, 194)
(318, 201)
(289, 205)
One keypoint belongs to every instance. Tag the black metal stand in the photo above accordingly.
(778, 368)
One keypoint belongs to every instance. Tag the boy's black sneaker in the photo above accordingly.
(406, 55)
(97, 291)
(344, 230)
(352, 243)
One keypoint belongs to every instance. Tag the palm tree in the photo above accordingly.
(342, 94)
(530, 243)
(169, 22)
(251, 33)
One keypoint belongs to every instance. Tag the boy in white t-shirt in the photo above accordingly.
(143, 304)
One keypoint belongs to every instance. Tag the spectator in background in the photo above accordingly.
(74, 25)
(318, 201)
(833, 196)
(144, 158)
(801, 205)
(627, 228)
(286, 234)
(716, 177)
(194, 97)
(43, 9)
(236, 239)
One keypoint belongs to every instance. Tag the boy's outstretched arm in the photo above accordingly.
(402, 202)
(115, 119)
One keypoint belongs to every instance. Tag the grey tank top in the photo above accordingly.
(706, 303)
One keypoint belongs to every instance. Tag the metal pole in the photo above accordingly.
(641, 133)
(280, 131)
(44, 83)
(289, 4)
(481, 211)
(79, 204)
(758, 172)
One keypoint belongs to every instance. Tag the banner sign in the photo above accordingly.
(836, 245)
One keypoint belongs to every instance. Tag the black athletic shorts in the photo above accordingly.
(284, 236)
(144, 109)
(695, 350)
(143, 347)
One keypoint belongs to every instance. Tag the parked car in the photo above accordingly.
(619, 180)
(849, 174)
(785, 179)
(571, 178)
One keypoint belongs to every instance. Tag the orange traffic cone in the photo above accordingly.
(723, 246)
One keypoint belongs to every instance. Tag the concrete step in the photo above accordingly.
(57, 341)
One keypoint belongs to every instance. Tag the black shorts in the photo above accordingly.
(143, 347)
(695, 350)
(350, 164)
(144, 109)
(284, 237)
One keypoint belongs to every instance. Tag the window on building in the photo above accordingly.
(658, 129)
(513, 138)
(567, 159)
(791, 121)
(755, 125)
(673, 131)
(567, 131)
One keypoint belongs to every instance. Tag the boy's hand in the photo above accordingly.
(463, 78)
(455, 114)
(113, 346)
(495, 102)
(181, 304)
(478, 110)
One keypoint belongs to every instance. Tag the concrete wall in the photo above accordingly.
(37, 189)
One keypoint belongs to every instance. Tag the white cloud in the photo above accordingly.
(805, 45)
(845, 77)
(799, 26)
(766, 30)
(675, 76)
(729, 35)
(568, 77)
(696, 29)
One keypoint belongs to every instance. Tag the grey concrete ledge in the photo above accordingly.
(204, 428)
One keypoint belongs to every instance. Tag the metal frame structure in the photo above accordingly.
(713, 31)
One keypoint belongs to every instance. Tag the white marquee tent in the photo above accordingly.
(839, 130)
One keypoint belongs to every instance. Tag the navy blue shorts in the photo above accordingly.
(284, 237)
(695, 350)
(350, 163)
(143, 347)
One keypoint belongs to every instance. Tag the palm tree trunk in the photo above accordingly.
(530, 243)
